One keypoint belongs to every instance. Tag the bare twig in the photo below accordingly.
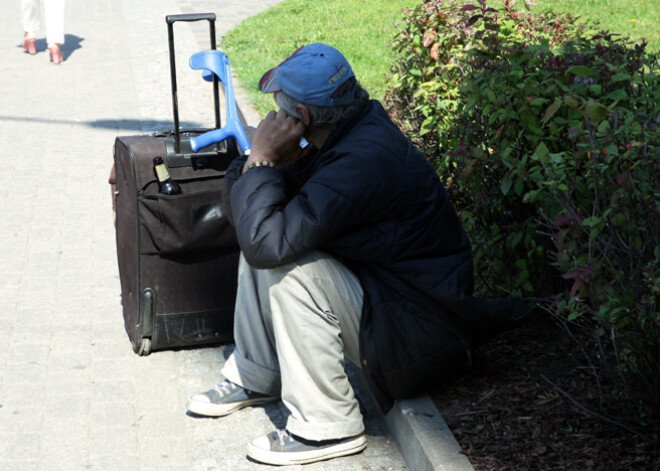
(589, 412)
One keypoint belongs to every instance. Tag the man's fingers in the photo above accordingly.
(272, 115)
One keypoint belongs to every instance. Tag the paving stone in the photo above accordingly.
(115, 441)
(22, 418)
(19, 446)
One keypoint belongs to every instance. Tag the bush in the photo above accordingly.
(547, 134)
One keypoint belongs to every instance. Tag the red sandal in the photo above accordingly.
(55, 54)
(29, 45)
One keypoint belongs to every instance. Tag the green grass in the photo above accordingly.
(361, 29)
(638, 19)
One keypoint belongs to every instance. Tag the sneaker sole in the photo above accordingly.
(280, 458)
(220, 410)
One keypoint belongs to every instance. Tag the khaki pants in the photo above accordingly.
(293, 326)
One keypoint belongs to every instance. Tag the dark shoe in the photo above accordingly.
(281, 448)
(55, 54)
(224, 399)
(29, 45)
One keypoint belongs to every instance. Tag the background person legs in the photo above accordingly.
(54, 11)
(30, 20)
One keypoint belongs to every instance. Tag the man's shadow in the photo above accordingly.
(71, 43)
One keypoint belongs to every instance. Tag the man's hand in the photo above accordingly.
(277, 139)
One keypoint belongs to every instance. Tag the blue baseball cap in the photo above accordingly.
(311, 75)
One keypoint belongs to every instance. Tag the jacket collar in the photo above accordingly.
(345, 125)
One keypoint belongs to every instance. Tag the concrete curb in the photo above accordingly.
(420, 432)
(423, 438)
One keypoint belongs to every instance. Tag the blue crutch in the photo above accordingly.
(216, 62)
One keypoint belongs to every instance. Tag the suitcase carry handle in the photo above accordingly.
(171, 19)
(190, 17)
(215, 66)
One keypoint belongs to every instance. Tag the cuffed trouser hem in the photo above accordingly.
(293, 326)
(325, 431)
(247, 374)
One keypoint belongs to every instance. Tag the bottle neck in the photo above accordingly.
(161, 173)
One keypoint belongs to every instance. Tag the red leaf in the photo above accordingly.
(429, 37)
(469, 7)
(621, 179)
(576, 286)
(435, 51)
(562, 220)
(474, 19)
(582, 273)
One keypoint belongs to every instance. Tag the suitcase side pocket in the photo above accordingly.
(188, 225)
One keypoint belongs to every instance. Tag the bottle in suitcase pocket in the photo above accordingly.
(177, 254)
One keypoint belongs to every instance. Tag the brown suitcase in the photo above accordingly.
(177, 254)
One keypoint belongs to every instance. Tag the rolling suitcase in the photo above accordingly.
(177, 254)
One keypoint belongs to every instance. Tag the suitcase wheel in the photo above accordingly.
(145, 347)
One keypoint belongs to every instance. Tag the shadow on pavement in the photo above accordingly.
(71, 44)
(127, 125)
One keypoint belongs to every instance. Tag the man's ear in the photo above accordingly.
(304, 113)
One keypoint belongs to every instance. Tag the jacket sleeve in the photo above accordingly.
(275, 228)
(233, 172)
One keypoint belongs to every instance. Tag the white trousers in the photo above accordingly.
(293, 326)
(54, 13)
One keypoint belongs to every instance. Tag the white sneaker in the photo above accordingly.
(282, 448)
(224, 399)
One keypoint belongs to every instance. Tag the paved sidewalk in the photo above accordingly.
(73, 395)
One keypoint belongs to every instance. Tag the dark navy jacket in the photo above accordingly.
(372, 201)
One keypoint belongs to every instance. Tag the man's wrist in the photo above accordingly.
(259, 163)
(254, 162)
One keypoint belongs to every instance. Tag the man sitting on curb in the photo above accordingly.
(350, 249)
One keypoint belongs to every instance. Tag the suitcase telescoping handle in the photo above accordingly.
(171, 19)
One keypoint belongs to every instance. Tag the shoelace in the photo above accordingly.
(225, 388)
(284, 435)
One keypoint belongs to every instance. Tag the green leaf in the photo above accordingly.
(591, 221)
(617, 95)
(595, 111)
(531, 196)
(550, 111)
(582, 71)
(515, 239)
(538, 101)
(619, 77)
(557, 158)
(574, 315)
(518, 187)
(427, 125)
(505, 186)
(541, 153)
(612, 149)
